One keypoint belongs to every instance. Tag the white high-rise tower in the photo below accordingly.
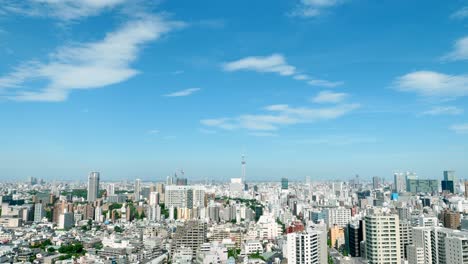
(93, 186)
(243, 168)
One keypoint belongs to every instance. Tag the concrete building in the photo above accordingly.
(382, 236)
(399, 182)
(307, 247)
(93, 186)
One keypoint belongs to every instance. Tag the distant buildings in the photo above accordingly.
(93, 186)
(399, 182)
(422, 186)
(449, 181)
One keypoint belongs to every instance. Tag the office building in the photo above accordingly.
(93, 186)
(337, 216)
(184, 196)
(154, 198)
(137, 190)
(376, 182)
(422, 186)
(354, 236)
(399, 182)
(39, 212)
(284, 183)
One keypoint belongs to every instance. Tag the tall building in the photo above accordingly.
(236, 187)
(65, 221)
(448, 184)
(184, 196)
(191, 235)
(284, 183)
(39, 212)
(110, 189)
(466, 189)
(406, 236)
(376, 182)
(154, 198)
(382, 236)
(421, 241)
(449, 246)
(307, 247)
(137, 192)
(451, 219)
(399, 182)
(354, 236)
(422, 186)
(93, 186)
(337, 216)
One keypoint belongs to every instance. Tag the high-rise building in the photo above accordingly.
(236, 187)
(405, 237)
(137, 191)
(422, 186)
(307, 247)
(284, 183)
(421, 240)
(451, 219)
(93, 186)
(466, 189)
(449, 181)
(376, 182)
(191, 235)
(337, 216)
(382, 236)
(449, 246)
(154, 198)
(184, 196)
(399, 182)
(39, 212)
(354, 236)
(65, 221)
(110, 189)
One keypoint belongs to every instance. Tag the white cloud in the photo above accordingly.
(444, 110)
(275, 63)
(460, 50)
(460, 128)
(433, 84)
(313, 8)
(324, 83)
(185, 92)
(461, 13)
(329, 97)
(277, 116)
(61, 9)
(86, 65)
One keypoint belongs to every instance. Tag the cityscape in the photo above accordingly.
(407, 220)
(233, 132)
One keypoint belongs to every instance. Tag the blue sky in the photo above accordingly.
(319, 88)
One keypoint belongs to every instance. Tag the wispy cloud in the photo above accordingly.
(60, 9)
(329, 97)
(185, 92)
(84, 66)
(460, 14)
(444, 110)
(460, 128)
(276, 116)
(275, 63)
(433, 84)
(313, 8)
(459, 52)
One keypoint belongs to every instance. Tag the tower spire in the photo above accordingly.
(243, 167)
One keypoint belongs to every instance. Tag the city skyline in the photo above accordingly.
(325, 89)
